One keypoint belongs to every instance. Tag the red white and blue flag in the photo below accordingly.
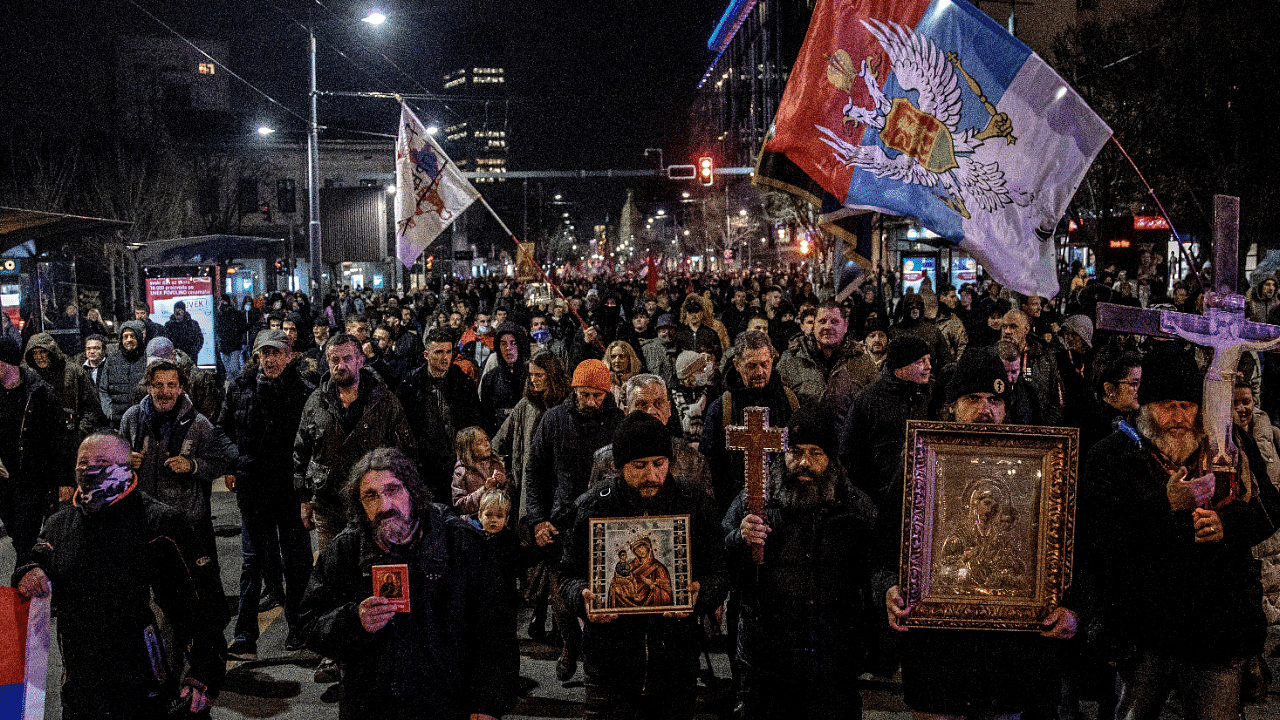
(430, 190)
(24, 655)
(931, 109)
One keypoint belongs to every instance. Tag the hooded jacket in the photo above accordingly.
(121, 373)
(502, 388)
(80, 402)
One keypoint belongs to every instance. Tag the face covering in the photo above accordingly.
(541, 336)
(482, 329)
(100, 485)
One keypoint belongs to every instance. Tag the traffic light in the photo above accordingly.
(706, 170)
(286, 195)
(431, 260)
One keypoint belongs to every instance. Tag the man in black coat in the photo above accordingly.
(439, 400)
(558, 470)
(184, 331)
(105, 558)
(438, 659)
(644, 665)
(873, 432)
(801, 629)
(261, 415)
(1173, 544)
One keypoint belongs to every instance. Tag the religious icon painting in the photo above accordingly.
(392, 582)
(988, 524)
(640, 565)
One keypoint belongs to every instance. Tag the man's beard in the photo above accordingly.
(346, 380)
(1178, 448)
(792, 491)
(392, 528)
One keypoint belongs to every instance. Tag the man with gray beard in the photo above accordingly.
(436, 659)
(801, 634)
(1170, 544)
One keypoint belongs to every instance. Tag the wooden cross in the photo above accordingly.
(756, 439)
(1222, 327)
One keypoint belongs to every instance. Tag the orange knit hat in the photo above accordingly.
(591, 374)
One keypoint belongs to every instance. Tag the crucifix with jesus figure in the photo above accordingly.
(756, 439)
(1222, 327)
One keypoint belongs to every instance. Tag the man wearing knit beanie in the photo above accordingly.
(644, 665)
(871, 439)
(1175, 547)
(979, 387)
(557, 472)
(813, 525)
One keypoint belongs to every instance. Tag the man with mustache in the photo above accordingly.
(349, 414)
(644, 665)
(970, 673)
(436, 660)
(1173, 544)
(800, 637)
(558, 470)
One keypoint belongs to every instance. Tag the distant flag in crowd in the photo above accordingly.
(931, 109)
(430, 190)
(24, 655)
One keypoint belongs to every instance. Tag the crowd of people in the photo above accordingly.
(469, 433)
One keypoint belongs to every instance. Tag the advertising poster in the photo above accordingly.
(963, 270)
(197, 294)
(916, 269)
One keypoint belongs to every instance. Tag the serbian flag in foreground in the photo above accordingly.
(430, 190)
(931, 109)
(24, 655)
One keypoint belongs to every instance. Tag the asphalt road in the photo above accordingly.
(279, 684)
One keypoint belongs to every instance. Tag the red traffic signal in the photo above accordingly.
(706, 170)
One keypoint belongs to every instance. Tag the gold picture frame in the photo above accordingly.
(640, 565)
(988, 524)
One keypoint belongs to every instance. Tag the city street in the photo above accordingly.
(279, 684)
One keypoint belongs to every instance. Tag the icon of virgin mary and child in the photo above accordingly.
(639, 581)
(983, 553)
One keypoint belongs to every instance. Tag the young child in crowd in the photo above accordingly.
(505, 555)
(477, 470)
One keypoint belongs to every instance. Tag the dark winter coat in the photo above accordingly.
(261, 416)
(1163, 591)
(560, 460)
(442, 659)
(646, 652)
(872, 440)
(43, 462)
(804, 610)
(324, 451)
(120, 375)
(186, 335)
(436, 409)
(502, 387)
(190, 435)
(104, 568)
(727, 468)
(80, 402)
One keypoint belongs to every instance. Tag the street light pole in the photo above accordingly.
(313, 179)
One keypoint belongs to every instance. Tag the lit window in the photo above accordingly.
(207, 68)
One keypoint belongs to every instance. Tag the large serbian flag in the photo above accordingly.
(430, 190)
(24, 655)
(933, 110)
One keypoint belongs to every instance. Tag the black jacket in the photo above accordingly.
(804, 610)
(559, 467)
(441, 659)
(727, 469)
(261, 416)
(121, 372)
(436, 409)
(645, 652)
(104, 568)
(872, 439)
(324, 450)
(1163, 591)
(502, 388)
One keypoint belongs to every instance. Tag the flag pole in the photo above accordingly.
(582, 323)
(1182, 251)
